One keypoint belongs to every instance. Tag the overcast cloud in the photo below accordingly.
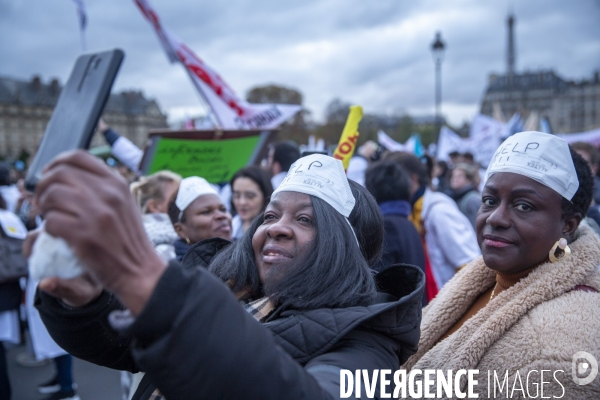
(374, 53)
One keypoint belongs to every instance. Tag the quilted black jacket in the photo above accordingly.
(193, 339)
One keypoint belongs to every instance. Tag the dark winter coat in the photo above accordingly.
(194, 340)
(402, 243)
(468, 200)
(10, 296)
(181, 247)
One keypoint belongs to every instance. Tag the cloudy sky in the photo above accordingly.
(374, 53)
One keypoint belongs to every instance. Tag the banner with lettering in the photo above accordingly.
(448, 142)
(214, 160)
(482, 144)
(486, 135)
(230, 111)
(347, 144)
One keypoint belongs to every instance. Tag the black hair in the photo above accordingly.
(367, 221)
(258, 176)
(468, 156)
(580, 203)
(420, 167)
(444, 166)
(286, 153)
(4, 174)
(387, 181)
(332, 274)
(173, 210)
(588, 148)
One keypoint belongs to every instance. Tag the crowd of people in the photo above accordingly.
(269, 285)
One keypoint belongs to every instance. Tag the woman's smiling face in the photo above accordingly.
(286, 233)
(518, 222)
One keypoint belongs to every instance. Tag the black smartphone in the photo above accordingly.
(78, 109)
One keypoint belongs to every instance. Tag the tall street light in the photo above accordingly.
(437, 51)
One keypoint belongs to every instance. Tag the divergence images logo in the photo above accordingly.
(584, 364)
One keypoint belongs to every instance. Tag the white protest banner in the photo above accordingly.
(485, 135)
(592, 137)
(389, 143)
(230, 111)
(449, 141)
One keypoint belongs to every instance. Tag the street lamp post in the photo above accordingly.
(437, 51)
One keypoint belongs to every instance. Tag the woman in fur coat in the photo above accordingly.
(523, 313)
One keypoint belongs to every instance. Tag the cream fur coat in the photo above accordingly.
(537, 324)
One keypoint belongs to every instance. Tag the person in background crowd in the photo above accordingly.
(463, 189)
(298, 269)
(8, 190)
(152, 194)
(448, 236)
(390, 185)
(281, 157)
(61, 385)
(10, 300)
(441, 176)
(367, 222)
(251, 191)
(455, 158)
(122, 148)
(592, 156)
(197, 213)
(531, 302)
(468, 158)
(360, 162)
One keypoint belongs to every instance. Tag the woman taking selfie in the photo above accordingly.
(531, 302)
(311, 305)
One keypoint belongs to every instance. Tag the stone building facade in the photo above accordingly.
(569, 106)
(26, 107)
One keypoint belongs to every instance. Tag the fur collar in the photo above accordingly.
(465, 348)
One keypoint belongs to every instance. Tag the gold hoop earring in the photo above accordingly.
(562, 248)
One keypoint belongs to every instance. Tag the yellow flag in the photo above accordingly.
(347, 144)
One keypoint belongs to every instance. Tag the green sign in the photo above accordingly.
(214, 160)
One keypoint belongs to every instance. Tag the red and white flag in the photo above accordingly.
(230, 111)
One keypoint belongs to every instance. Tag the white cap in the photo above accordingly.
(190, 189)
(323, 177)
(540, 156)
